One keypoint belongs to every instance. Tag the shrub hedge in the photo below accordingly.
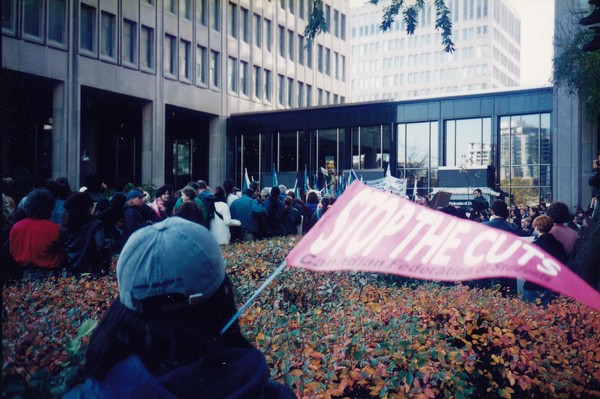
(328, 335)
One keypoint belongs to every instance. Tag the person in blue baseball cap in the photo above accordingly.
(161, 338)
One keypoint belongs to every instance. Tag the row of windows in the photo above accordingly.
(422, 148)
(471, 9)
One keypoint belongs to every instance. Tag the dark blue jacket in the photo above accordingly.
(249, 212)
(236, 373)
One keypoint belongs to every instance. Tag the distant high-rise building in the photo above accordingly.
(395, 65)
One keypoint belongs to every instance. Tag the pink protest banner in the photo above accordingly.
(374, 231)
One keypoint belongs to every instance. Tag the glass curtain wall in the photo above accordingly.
(419, 155)
(525, 158)
(468, 142)
(370, 147)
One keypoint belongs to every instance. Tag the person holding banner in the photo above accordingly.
(249, 211)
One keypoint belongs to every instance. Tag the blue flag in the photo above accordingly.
(352, 177)
(296, 189)
(246, 182)
(275, 182)
(306, 180)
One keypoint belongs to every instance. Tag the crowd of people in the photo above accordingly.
(55, 229)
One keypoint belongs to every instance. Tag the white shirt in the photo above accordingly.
(219, 227)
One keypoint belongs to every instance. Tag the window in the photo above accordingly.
(268, 35)
(87, 36)
(291, 45)
(257, 31)
(281, 89)
(320, 58)
(171, 6)
(9, 13)
(232, 75)
(201, 12)
(215, 15)
(328, 62)
(108, 34)
(281, 38)
(245, 25)
(129, 42)
(33, 18)
(301, 8)
(56, 20)
(309, 56)
(201, 65)
(147, 47)
(418, 154)
(287, 151)
(185, 60)
(290, 92)
(267, 85)
(244, 77)
(300, 49)
(319, 96)
(300, 94)
(370, 146)
(329, 142)
(257, 82)
(468, 142)
(170, 54)
(526, 157)
(214, 69)
(185, 8)
(342, 67)
(233, 23)
(336, 23)
(308, 95)
(343, 27)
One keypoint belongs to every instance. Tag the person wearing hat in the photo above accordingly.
(161, 337)
(133, 217)
(249, 211)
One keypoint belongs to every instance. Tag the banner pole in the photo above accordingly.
(253, 297)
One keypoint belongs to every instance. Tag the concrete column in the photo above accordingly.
(217, 153)
(153, 143)
(59, 131)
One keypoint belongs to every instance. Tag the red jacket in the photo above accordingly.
(36, 242)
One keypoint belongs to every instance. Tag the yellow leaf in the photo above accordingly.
(296, 372)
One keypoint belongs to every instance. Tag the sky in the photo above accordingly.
(537, 31)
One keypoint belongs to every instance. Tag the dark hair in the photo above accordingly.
(40, 203)
(193, 185)
(228, 185)
(500, 209)
(202, 184)
(189, 192)
(312, 198)
(291, 194)
(77, 210)
(220, 194)
(559, 212)
(275, 191)
(164, 339)
(288, 201)
(167, 188)
(190, 211)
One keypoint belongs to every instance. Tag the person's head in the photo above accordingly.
(542, 224)
(500, 209)
(229, 186)
(254, 187)
(194, 185)
(39, 204)
(164, 192)
(477, 192)
(275, 192)
(188, 194)
(288, 201)
(220, 194)
(202, 185)
(265, 192)
(312, 198)
(174, 298)
(135, 197)
(78, 209)
(189, 210)
(282, 188)
(559, 212)
(291, 194)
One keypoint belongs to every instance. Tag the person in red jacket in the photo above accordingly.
(35, 241)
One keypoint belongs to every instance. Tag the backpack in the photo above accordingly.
(209, 203)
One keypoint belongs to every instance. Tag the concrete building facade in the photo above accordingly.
(141, 89)
(397, 66)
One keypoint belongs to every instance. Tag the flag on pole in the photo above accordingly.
(315, 181)
(388, 172)
(296, 189)
(352, 177)
(306, 179)
(275, 182)
(246, 182)
(415, 190)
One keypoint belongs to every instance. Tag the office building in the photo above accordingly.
(397, 66)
